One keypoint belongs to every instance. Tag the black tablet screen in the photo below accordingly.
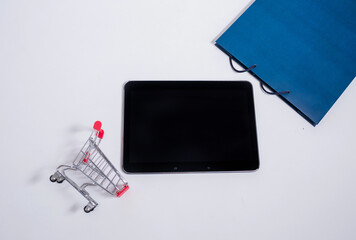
(189, 126)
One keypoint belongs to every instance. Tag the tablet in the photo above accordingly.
(188, 126)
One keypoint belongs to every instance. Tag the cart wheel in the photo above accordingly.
(60, 180)
(52, 178)
(88, 209)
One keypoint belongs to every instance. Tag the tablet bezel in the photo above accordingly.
(129, 167)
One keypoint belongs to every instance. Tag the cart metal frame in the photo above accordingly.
(93, 163)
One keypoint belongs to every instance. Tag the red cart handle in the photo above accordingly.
(97, 125)
(101, 134)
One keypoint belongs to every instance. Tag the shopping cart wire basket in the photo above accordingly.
(97, 168)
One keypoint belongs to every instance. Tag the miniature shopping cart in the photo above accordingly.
(97, 168)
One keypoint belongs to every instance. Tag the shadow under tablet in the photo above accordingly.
(187, 126)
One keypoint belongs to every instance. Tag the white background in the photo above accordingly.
(63, 65)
